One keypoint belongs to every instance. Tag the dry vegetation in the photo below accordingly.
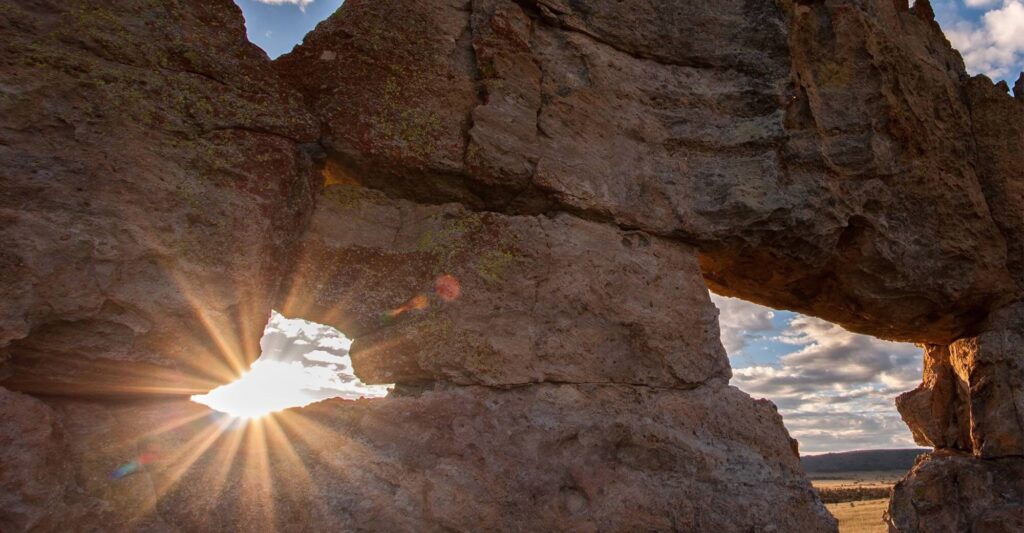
(857, 499)
(860, 517)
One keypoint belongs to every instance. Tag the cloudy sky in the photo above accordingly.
(988, 33)
(834, 389)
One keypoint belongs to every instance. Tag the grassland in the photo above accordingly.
(860, 517)
(857, 499)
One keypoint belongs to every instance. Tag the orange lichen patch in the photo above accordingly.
(335, 174)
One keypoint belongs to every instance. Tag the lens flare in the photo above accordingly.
(133, 466)
(447, 287)
(416, 303)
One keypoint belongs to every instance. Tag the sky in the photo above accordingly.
(278, 25)
(834, 389)
(988, 33)
(301, 363)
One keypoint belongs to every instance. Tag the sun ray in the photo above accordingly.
(258, 487)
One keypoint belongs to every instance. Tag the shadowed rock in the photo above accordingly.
(152, 179)
(799, 158)
(938, 410)
(544, 457)
(952, 492)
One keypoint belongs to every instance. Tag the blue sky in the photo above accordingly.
(278, 25)
(835, 389)
(988, 33)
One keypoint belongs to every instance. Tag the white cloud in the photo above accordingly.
(835, 389)
(1006, 25)
(739, 320)
(301, 3)
(325, 357)
(992, 45)
(302, 362)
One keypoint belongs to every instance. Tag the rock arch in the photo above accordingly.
(583, 169)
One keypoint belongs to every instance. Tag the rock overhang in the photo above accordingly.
(829, 157)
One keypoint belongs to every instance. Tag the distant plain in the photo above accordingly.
(857, 499)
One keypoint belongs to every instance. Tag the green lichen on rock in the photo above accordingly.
(493, 265)
(470, 243)
(416, 130)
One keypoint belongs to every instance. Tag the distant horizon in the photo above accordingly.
(819, 454)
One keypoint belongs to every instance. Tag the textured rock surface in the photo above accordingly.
(573, 168)
(152, 179)
(951, 492)
(991, 366)
(998, 127)
(808, 158)
(544, 457)
(540, 299)
(58, 462)
(35, 468)
(972, 396)
(938, 410)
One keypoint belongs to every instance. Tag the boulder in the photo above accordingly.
(957, 492)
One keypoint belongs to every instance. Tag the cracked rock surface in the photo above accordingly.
(515, 209)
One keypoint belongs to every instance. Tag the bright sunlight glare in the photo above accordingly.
(302, 363)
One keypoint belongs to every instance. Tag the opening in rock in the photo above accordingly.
(835, 390)
(277, 26)
(301, 362)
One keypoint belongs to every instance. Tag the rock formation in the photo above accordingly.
(153, 180)
(514, 208)
(953, 492)
(829, 140)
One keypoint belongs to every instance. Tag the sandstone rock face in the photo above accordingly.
(952, 492)
(538, 299)
(991, 366)
(543, 457)
(811, 143)
(152, 179)
(58, 461)
(970, 407)
(35, 469)
(998, 127)
(521, 201)
(971, 398)
(938, 410)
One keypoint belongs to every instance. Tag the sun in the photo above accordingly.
(269, 386)
(302, 363)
